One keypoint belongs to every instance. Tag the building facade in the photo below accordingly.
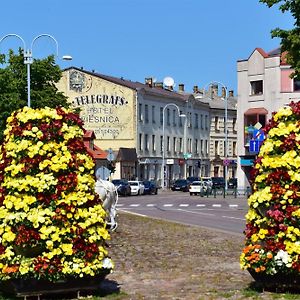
(264, 85)
(153, 131)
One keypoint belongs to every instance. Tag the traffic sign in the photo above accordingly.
(110, 156)
(254, 146)
(187, 155)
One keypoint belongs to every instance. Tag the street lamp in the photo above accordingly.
(28, 58)
(163, 143)
(225, 127)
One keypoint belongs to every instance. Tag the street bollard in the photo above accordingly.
(215, 192)
(223, 192)
(235, 192)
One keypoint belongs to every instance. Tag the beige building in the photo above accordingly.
(129, 119)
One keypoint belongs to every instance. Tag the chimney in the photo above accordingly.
(231, 93)
(214, 90)
(195, 89)
(181, 87)
(223, 92)
(149, 81)
(159, 85)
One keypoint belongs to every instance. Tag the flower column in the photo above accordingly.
(272, 230)
(51, 221)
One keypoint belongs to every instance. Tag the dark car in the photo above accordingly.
(180, 185)
(232, 183)
(150, 187)
(218, 182)
(192, 179)
(122, 186)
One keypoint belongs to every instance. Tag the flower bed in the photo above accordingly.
(272, 230)
(52, 224)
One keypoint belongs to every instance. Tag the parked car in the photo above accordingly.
(192, 178)
(150, 187)
(218, 182)
(197, 187)
(122, 186)
(137, 187)
(180, 185)
(232, 183)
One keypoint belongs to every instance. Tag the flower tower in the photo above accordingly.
(272, 248)
(51, 221)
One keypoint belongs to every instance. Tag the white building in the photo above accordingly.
(264, 85)
(130, 118)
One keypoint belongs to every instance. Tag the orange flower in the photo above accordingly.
(10, 269)
(269, 255)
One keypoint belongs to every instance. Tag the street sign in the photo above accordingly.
(110, 156)
(187, 155)
(254, 146)
(258, 135)
(226, 162)
(103, 173)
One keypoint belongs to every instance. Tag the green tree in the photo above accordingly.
(290, 39)
(44, 74)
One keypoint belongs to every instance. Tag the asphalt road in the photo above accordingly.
(225, 214)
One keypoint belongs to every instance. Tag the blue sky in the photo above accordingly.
(193, 41)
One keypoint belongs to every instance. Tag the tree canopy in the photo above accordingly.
(290, 39)
(44, 74)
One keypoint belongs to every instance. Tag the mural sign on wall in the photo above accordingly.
(106, 108)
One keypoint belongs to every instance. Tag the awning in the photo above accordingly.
(256, 111)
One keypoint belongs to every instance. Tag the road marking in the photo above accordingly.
(200, 205)
(183, 205)
(119, 205)
(134, 205)
(233, 205)
(150, 205)
(227, 217)
(168, 205)
(216, 205)
(196, 212)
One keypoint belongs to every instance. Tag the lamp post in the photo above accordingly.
(225, 127)
(28, 58)
(163, 142)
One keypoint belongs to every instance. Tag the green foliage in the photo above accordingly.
(290, 39)
(44, 74)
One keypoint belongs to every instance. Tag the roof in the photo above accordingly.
(95, 152)
(127, 154)
(138, 86)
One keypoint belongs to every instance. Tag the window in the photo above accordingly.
(201, 121)
(180, 119)
(201, 146)
(168, 116)
(196, 121)
(153, 114)
(146, 142)
(174, 117)
(234, 148)
(161, 115)
(234, 125)
(206, 147)
(174, 145)
(296, 84)
(180, 145)
(196, 146)
(256, 87)
(153, 143)
(146, 114)
(161, 143)
(206, 122)
(217, 124)
(140, 141)
(250, 121)
(217, 150)
(168, 144)
(140, 112)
